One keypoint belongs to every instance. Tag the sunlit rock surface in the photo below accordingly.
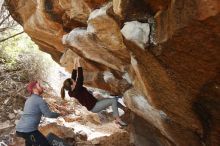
(171, 85)
(137, 32)
(79, 126)
(101, 42)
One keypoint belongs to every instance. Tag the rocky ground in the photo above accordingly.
(79, 127)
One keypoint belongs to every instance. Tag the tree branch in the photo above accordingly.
(8, 27)
(4, 19)
(11, 36)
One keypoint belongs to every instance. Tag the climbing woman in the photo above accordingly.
(75, 88)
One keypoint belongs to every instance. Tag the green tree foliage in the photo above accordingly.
(11, 48)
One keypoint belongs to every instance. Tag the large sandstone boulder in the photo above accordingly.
(162, 55)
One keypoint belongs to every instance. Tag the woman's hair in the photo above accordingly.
(66, 86)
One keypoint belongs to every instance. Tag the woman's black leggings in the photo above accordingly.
(34, 138)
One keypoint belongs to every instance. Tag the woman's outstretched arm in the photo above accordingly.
(79, 81)
(74, 72)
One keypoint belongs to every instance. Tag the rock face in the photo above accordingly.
(168, 74)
